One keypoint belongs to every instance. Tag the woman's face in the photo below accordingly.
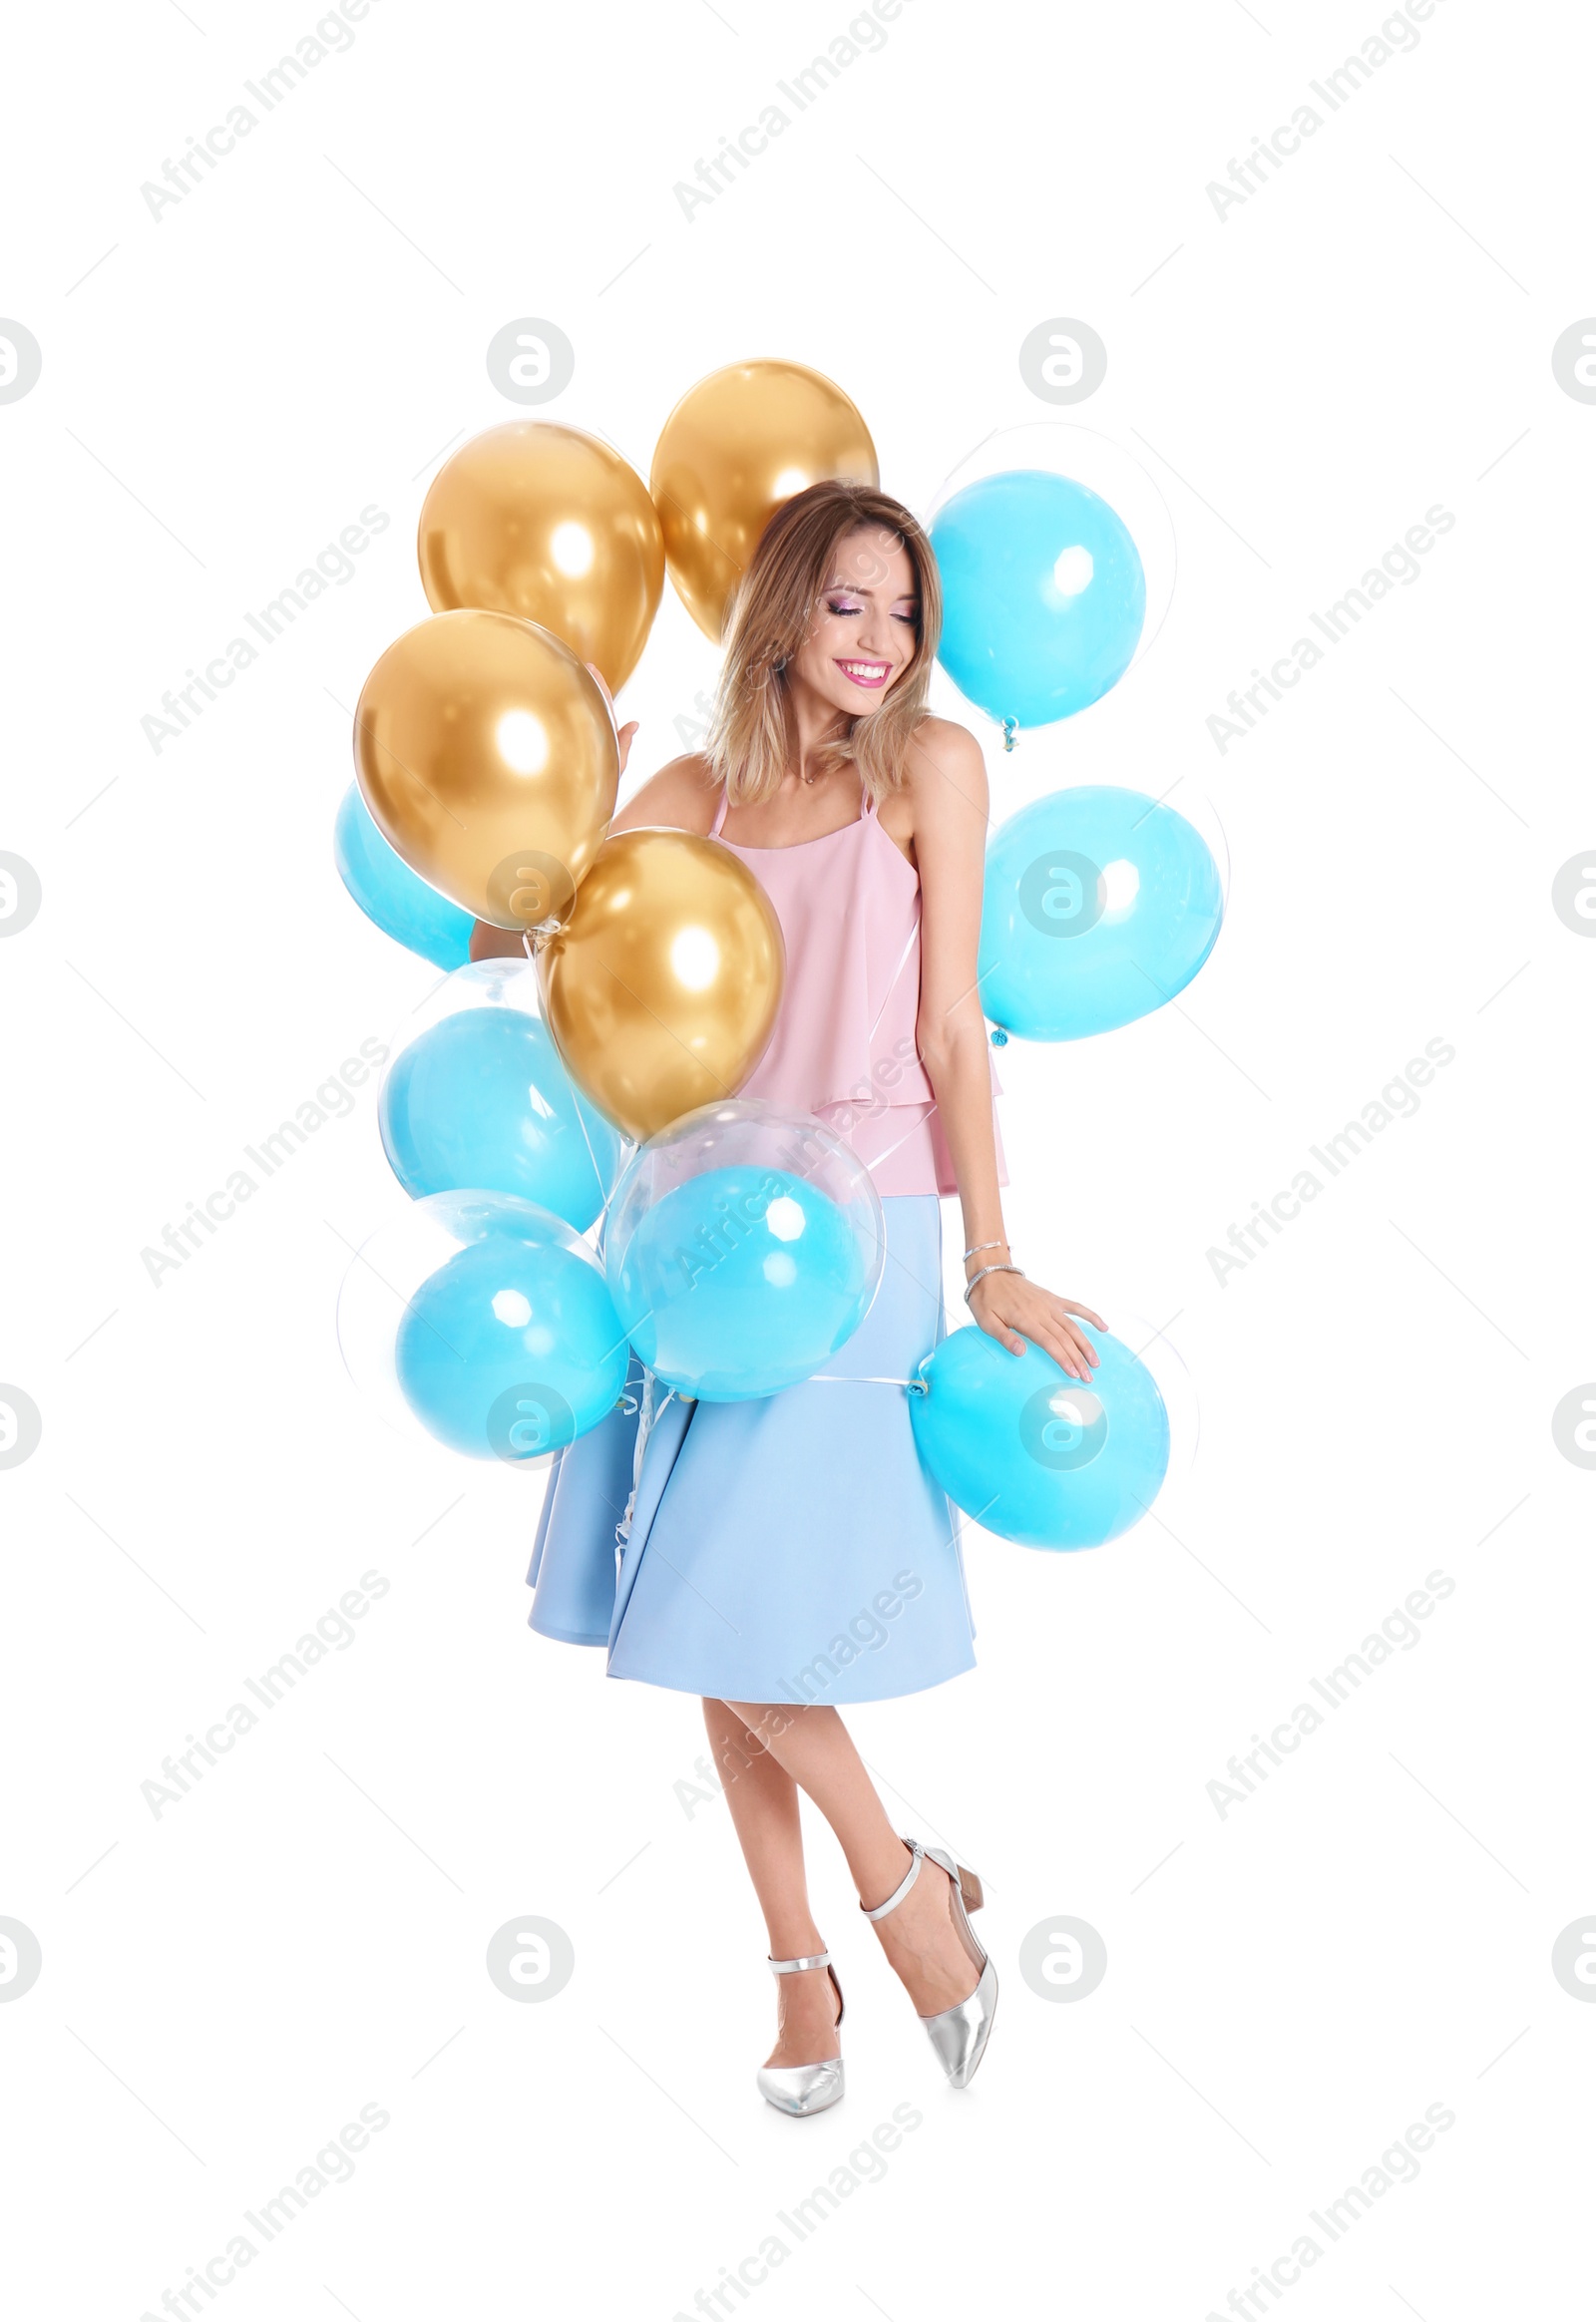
(863, 634)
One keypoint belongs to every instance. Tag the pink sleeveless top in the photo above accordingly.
(844, 1047)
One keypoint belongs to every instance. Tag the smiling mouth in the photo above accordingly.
(870, 675)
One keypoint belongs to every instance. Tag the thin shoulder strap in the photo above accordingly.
(720, 814)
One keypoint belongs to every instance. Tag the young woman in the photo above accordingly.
(783, 1556)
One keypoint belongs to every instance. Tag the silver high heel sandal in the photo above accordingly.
(802, 2088)
(960, 2032)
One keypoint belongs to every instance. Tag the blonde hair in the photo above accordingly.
(751, 736)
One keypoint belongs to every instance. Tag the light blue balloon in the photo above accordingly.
(390, 894)
(1099, 905)
(483, 1099)
(1043, 595)
(740, 1282)
(1031, 1453)
(511, 1347)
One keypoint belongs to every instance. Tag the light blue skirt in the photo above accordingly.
(791, 1549)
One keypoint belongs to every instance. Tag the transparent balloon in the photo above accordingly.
(1059, 446)
(744, 1248)
(476, 1095)
(1101, 905)
(1036, 1456)
(485, 1323)
(1160, 1354)
(1043, 595)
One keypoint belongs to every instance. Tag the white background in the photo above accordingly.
(1287, 1988)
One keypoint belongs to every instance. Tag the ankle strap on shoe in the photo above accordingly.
(917, 1852)
(797, 1966)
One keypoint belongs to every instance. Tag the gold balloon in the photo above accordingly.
(661, 991)
(487, 755)
(736, 445)
(551, 525)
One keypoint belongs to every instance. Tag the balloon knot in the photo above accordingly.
(1010, 729)
(999, 1038)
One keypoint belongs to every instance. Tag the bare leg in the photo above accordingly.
(763, 1799)
(921, 1939)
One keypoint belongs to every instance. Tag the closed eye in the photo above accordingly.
(841, 608)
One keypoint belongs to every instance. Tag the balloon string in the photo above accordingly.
(527, 934)
(858, 1378)
(649, 1415)
(598, 1173)
(833, 1378)
(629, 1146)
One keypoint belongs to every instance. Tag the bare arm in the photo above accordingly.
(947, 791)
(680, 797)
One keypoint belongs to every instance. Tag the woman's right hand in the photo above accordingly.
(490, 943)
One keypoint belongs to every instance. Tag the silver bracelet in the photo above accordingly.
(977, 1248)
(981, 1275)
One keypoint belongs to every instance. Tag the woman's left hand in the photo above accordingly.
(1011, 1309)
